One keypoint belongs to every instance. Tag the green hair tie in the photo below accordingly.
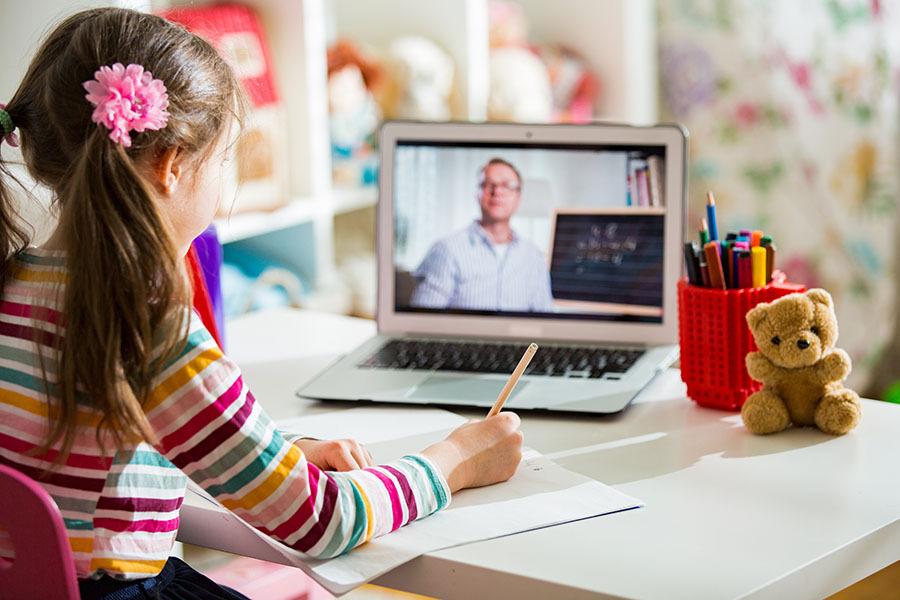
(7, 122)
(8, 127)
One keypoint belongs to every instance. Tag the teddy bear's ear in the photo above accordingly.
(821, 296)
(755, 317)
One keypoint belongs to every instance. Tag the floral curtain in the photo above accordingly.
(792, 108)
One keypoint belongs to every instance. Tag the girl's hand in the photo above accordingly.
(335, 455)
(479, 452)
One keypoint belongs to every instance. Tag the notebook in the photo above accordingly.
(492, 236)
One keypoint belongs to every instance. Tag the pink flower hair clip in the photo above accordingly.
(127, 99)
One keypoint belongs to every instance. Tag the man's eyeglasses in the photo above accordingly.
(492, 187)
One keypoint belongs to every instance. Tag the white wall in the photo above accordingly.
(25, 25)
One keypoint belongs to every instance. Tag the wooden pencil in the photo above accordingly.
(513, 379)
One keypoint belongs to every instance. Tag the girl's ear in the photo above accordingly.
(169, 169)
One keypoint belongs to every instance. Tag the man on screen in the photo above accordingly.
(487, 266)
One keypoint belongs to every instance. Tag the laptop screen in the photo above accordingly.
(550, 230)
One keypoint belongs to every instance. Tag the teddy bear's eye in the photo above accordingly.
(814, 329)
(776, 340)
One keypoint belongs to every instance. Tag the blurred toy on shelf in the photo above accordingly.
(251, 282)
(258, 179)
(520, 88)
(575, 87)
(419, 80)
(273, 287)
(507, 25)
(354, 115)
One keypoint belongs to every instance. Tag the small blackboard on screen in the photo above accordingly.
(608, 259)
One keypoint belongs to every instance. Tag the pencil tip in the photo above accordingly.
(709, 199)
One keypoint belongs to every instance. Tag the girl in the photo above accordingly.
(111, 390)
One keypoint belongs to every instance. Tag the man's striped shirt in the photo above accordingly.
(465, 271)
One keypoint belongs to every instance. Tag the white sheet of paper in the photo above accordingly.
(373, 425)
(540, 494)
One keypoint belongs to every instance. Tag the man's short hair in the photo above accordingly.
(499, 161)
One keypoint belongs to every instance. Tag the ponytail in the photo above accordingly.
(126, 288)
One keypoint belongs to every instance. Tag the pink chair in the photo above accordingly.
(43, 566)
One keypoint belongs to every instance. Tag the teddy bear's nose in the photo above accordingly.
(802, 344)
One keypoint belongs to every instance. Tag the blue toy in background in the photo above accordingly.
(250, 283)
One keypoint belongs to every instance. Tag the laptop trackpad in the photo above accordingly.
(464, 390)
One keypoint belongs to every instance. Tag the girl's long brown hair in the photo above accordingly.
(126, 296)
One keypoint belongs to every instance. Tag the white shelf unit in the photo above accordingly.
(617, 38)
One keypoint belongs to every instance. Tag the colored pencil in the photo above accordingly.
(755, 236)
(704, 232)
(711, 217)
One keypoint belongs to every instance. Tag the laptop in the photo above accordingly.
(492, 236)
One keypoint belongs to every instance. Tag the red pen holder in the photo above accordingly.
(714, 339)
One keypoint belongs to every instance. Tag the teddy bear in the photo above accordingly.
(799, 367)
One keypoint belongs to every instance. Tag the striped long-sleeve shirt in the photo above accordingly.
(121, 508)
(465, 271)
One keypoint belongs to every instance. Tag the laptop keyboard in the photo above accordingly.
(473, 357)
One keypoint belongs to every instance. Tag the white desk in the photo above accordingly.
(728, 515)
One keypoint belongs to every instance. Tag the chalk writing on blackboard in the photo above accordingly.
(608, 257)
(603, 245)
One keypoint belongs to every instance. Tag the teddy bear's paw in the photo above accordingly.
(838, 412)
(765, 412)
(835, 365)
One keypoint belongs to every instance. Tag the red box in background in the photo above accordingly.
(714, 339)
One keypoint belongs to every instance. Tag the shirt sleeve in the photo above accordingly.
(437, 277)
(209, 425)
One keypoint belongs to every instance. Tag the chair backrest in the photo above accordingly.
(43, 565)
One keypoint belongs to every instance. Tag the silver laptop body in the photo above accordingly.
(602, 207)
